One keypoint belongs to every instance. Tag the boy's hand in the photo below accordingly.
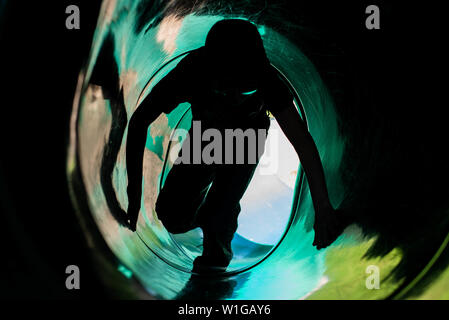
(121, 217)
(133, 209)
(133, 215)
(329, 224)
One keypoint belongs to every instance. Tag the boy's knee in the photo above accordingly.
(166, 206)
(165, 209)
(170, 214)
(175, 227)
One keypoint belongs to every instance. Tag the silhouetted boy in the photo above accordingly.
(230, 84)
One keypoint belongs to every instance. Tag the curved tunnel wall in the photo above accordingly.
(294, 269)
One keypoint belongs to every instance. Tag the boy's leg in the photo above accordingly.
(181, 196)
(219, 214)
(221, 207)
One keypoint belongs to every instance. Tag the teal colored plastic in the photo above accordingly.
(288, 268)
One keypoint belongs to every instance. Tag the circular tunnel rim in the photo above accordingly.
(298, 184)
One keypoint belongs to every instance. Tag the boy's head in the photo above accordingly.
(235, 54)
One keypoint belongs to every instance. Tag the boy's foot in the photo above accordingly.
(205, 265)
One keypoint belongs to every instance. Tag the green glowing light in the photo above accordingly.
(249, 92)
(125, 271)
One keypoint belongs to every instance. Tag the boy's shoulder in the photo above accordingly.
(195, 59)
(276, 93)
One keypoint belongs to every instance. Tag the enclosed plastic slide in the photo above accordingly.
(136, 44)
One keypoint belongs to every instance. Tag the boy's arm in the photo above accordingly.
(164, 97)
(327, 226)
(297, 133)
(135, 147)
